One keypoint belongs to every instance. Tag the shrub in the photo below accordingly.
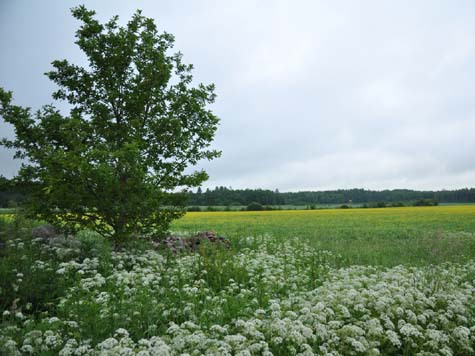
(426, 202)
(254, 207)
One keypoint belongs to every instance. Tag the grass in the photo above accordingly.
(388, 237)
(291, 284)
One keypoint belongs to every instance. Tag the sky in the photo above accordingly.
(312, 95)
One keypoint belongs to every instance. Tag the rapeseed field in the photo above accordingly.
(388, 236)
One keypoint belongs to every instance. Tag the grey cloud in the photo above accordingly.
(312, 94)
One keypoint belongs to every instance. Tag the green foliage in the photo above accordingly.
(379, 204)
(27, 266)
(117, 163)
(263, 296)
(239, 197)
(426, 202)
(254, 207)
(11, 195)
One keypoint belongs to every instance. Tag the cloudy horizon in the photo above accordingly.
(312, 95)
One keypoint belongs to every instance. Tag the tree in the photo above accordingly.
(117, 162)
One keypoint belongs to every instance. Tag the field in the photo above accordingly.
(395, 281)
(390, 236)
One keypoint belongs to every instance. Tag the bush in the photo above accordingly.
(27, 268)
(254, 207)
(379, 204)
(426, 202)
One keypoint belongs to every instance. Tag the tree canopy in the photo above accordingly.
(243, 197)
(117, 160)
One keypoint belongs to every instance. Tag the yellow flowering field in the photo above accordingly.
(368, 236)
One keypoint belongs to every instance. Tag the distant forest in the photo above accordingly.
(12, 195)
(234, 197)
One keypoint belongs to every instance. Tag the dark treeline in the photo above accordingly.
(226, 196)
(11, 194)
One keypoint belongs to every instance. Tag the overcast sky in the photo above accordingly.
(312, 95)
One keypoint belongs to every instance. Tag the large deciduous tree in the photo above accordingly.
(118, 161)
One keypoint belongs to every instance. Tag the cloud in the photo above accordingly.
(312, 94)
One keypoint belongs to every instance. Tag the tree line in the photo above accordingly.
(13, 194)
(224, 196)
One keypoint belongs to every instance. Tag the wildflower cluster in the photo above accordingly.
(266, 298)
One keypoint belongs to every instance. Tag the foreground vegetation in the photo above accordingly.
(324, 282)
